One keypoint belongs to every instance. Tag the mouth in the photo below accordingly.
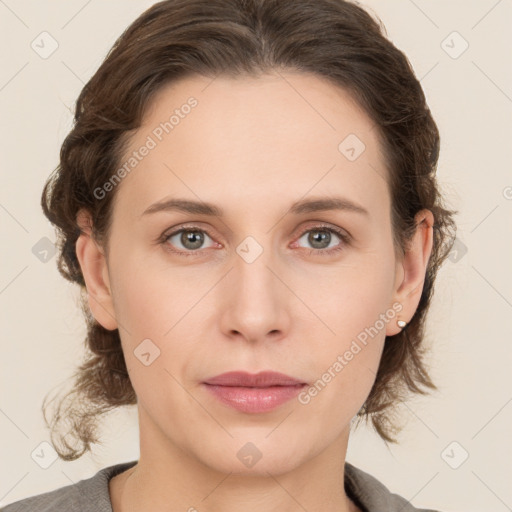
(254, 393)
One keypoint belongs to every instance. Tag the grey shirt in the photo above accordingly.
(92, 494)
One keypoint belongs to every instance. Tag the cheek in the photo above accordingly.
(355, 306)
(354, 297)
(157, 310)
(346, 362)
(149, 300)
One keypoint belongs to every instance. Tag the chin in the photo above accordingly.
(254, 453)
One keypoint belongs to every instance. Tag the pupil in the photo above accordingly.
(322, 236)
(188, 238)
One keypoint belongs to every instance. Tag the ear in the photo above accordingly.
(411, 270)
(95, 271)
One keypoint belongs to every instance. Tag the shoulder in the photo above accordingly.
(90, 494)
(373, 495)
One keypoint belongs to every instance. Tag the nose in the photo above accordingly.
(255, 300)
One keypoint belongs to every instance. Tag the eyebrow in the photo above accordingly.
(299, 207)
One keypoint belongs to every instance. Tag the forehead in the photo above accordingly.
(283, 134)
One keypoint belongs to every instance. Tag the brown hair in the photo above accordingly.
(334, 39)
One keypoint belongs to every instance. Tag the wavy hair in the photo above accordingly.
(335, 39)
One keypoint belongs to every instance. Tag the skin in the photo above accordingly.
(251, 146)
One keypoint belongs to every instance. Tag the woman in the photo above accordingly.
(248, 201)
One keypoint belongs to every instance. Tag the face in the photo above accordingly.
(276, 279)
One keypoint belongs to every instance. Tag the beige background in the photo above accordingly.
(470, 323)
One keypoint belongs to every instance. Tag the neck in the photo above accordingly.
(172, 478)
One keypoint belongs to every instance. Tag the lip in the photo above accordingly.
(253, 380)
(254, 393)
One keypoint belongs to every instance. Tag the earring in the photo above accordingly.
(401, 324)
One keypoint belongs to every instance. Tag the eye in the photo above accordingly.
(320, 238)
(192, 239)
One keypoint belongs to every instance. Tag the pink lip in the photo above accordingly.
(256, 380)
(254, 393)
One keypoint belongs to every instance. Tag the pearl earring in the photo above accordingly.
(401, 324)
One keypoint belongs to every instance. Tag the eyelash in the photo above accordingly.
(346, 239)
